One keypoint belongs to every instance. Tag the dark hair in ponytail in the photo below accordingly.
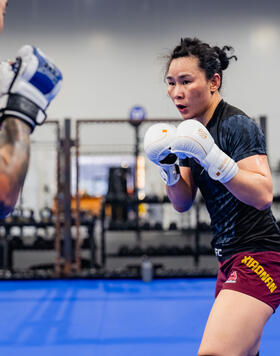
(211, 59)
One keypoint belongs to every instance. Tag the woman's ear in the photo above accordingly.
(215, 83)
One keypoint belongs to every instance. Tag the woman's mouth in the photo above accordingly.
(182, 108)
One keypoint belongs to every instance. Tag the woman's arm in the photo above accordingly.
(183, 193)
(253, 183)
(14, 159)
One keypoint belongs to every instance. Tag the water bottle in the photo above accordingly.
(146, 270)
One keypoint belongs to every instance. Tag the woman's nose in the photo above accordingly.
(178, 92)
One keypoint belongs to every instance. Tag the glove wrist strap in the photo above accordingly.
(219, 165)
(15, 105)
(170, 174)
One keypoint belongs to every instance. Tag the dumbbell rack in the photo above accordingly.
(47, 245)
(196, 252)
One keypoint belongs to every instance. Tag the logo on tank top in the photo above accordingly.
(232, 278)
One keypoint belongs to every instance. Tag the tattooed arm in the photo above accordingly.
(27, 86)
(14, 159)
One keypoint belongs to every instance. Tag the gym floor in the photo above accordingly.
(110, 318)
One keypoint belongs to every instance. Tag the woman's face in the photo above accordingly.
(3, 5)
(189, 88)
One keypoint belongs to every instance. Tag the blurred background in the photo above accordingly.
(113, 54)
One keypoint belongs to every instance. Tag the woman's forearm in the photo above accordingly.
(180, 195)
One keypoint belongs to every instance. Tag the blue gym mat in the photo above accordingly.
(110, 318)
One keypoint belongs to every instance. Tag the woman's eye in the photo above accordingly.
(186, 82)
(171, 83)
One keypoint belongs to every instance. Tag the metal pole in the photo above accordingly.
(67, 250)
(58, 204)
(136, 154)
(77, 211)
(103, 237)
(92, 244)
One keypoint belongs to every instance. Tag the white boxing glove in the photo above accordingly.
(27, 86)
(194, 140)
(157, 142)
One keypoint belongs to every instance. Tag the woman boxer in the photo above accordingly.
(222, 152)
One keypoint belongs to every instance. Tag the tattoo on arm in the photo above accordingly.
(14, 160)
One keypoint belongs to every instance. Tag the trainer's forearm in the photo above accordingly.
(180, 195)
(251, 188)
(14, 160)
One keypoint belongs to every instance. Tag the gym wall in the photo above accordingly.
(111, 54)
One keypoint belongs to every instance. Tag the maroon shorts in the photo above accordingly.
(253, 273)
